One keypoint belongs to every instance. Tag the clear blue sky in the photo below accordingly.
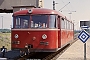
(80, 6)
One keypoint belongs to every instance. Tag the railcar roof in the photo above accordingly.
(37, 11)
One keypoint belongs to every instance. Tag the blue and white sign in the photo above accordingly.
(84, 27)
(83, 36)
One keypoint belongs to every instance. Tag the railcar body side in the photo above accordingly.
(40, 30)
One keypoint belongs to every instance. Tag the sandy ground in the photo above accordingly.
(5, 40)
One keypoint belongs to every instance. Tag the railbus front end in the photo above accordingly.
(37, 32)
(40, 30)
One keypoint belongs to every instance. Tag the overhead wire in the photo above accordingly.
(65, 5)
(71, 5)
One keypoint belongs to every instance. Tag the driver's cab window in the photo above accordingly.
(39, 21)
(25, 24)
(22, 22)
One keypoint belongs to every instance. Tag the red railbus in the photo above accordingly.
(40, 30)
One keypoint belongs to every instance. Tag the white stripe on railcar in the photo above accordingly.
(34, 29)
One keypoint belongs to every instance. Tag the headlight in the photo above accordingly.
(16, 36)
(44, 36)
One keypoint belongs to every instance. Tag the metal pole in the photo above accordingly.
(53, 5)
(2, 22)
(70, 16)
(84, 51)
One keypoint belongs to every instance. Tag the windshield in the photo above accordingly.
(39, 21)
(22, 21)
(35, 21)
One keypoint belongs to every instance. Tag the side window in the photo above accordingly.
(65, 24)
(52, 21)
(62, 23)
(68, 25)
(72, 26)
(56, 19)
